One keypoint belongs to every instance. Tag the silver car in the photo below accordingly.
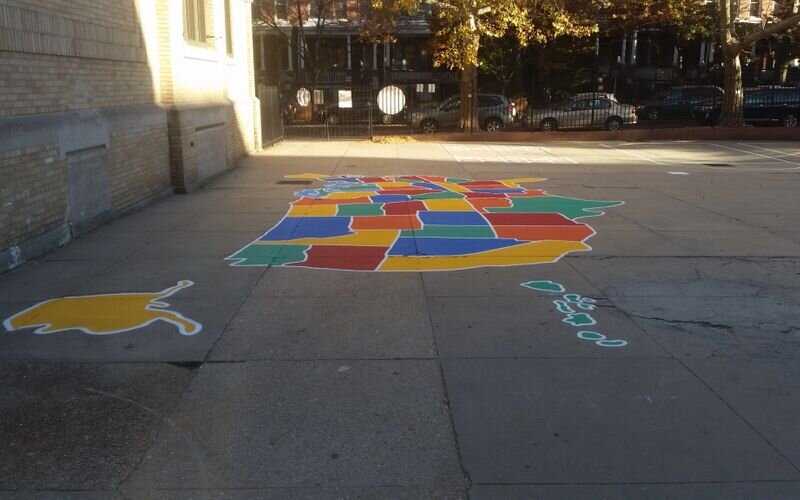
(495, 111)
(585, 110)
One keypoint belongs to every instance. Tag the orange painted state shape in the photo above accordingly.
(578, 232)
(481, 204)
(398, 222)
(531, 193)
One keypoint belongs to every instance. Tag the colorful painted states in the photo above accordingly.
(422, 223)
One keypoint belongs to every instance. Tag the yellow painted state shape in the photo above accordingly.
(393, 184)
(350, 196)
(103, 314)
(536, 252)
(520, 180)
(307, 176)
(312, 210)
(449, 205)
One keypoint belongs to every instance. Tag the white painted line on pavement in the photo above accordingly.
(678, 173)
(754, 153)
(768, 149)
(633, 154)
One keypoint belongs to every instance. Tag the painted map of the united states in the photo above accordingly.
(422, 223)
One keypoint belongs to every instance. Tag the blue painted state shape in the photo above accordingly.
(341, 179)
(403, 246)
(427, 185)
(461, 246)
(453, 218)
(389, 198)
(291, 228)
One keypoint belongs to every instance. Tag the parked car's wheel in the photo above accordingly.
(789, 120)
(548, 125)
(652, 114)
(614, 123)
(387, 119)
(333, 119)
(493, 125)
(429, 126)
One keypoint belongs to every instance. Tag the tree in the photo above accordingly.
(784, 16)
(500, 58)
(302, 24)
(459, 26)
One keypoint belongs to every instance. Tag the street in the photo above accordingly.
(216, 345)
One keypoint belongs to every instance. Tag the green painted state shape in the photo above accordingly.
(612, 343)
(351, 209)
(455, 180)
(544, 286)
(264, 255)
(587, 335)
(579, 319)
(572, 208)
(450, 232)
(444, 195)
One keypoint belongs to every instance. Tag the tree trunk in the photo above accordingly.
(734, 95)
(468, 113)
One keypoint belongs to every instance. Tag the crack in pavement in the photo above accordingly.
(708, 324)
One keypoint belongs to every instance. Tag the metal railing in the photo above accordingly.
(361, 111)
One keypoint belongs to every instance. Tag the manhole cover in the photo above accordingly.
(718, 164)
(294, 182)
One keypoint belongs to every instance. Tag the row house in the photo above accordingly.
(321, 44)
(656, 57)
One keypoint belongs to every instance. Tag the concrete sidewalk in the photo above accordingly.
(311, 383)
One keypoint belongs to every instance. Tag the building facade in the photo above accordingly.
(320, 44)
(652, 57)
(108, 104)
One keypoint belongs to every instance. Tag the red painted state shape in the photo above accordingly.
(355, 258)
(405, 208)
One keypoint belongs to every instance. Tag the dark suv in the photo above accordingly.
(680, 102)
(772, 105)
(761, 106)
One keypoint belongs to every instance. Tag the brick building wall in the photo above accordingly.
(103, 107)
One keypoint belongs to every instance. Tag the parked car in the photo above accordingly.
(495, 111)
(761, 106)
(586, 110)
(772, 105)
(680, 102)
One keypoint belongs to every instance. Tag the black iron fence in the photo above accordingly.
(272, 120)
(360, 111)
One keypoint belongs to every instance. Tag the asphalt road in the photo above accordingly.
(289, 382)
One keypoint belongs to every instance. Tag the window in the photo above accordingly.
(313, 9)
(340, 9)
(281, 9)
(602, 104)
(581, 105)
(755, 8)
(194, 20)
(228, 29)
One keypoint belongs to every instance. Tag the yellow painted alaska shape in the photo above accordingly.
(103, 314)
